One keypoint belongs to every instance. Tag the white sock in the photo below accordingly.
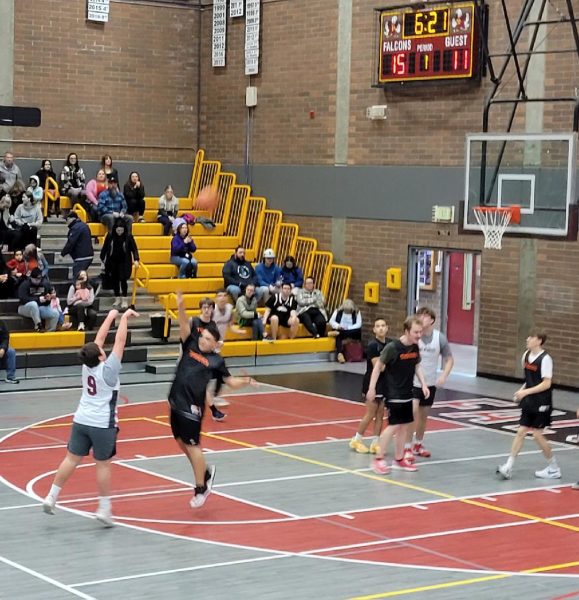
(54, 491)
(407, 446)
(358, 437)
(376, 439)
(105, 503)
(553, 463)
(419, 442)
(510, 462)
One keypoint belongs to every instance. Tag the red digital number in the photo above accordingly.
(91, 386)
(399, 64)
(466, 61)
(455, 60)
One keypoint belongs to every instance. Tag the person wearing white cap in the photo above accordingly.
(269, 276)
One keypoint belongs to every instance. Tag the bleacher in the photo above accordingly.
(240, 218)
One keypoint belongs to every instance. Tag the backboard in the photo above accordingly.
(535, 171)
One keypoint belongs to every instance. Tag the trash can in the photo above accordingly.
(158, 327)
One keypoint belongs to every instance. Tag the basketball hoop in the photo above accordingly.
(494, 220)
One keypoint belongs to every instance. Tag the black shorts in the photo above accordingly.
(400, 411)
(186, 429)
(103, 441)
(535, 415)
(417, 393)
(283, 319)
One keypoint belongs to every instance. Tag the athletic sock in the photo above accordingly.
(407, 446)
(105, 503)
(510, 462)
(358, 438)
(553, 463)
(419, 442)
(376, 439)
(54, 491)
(200, 489)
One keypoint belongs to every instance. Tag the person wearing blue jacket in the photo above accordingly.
(78, 244)
(182, 249)
(112, 206)
(268, 273)
(292, 274)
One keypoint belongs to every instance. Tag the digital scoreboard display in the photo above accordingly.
(429, 42)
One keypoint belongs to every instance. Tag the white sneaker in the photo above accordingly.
(549, 473)
(124, 304)
(105, 517)
(117, 303)
(80, 327)
(504, 471)
(198, 500)
(48, 505)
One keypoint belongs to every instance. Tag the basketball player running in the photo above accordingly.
(375, 408)
(95, 421)
(188, 396)
(400, 360)
(433, 344)
(536, 400)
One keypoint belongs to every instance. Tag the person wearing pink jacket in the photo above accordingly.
(93, 188)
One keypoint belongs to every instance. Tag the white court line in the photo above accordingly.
(181, 570)
(45, 578)
(10, 429)
(236, 499)
(437, 534)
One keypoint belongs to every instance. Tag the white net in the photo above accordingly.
(493, 222)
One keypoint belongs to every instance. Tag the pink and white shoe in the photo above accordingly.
(408, 456)
(380, 467)
(404, 465)
(420, 450)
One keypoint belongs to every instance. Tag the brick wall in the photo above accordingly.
(132, 81)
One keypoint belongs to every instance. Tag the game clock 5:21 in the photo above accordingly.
(429, 42)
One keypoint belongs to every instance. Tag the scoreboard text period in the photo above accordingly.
(429, 42)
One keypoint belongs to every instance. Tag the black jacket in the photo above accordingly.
(4, 337)
(130, 254)
(238, 273)
(29, 292)
(79, 242)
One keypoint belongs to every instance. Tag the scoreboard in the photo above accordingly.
(425, 42)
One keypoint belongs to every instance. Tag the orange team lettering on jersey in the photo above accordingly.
(531, 367)
(409, 355)
(198, 358)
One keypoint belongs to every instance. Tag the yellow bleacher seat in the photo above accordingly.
(150, 242)
(296, 346)
(203, 256)
(205, 285)
(244, 348)
(49, 340)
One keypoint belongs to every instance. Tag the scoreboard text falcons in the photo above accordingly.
(434, 43)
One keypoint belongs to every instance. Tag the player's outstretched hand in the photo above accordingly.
(113, 313)
(130, 313)
(179, 297)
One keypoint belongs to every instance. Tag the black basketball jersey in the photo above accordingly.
(534, 376)
(400, 361)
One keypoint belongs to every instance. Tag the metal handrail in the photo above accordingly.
(139, 281)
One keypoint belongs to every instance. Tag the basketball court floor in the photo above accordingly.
(295, 513)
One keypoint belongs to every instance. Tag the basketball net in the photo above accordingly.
(494, 221)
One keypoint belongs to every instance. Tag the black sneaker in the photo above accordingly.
(12, 380)
(39, 328)
(216, 414)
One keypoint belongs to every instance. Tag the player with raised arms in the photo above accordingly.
(188, 396)
(95, 422)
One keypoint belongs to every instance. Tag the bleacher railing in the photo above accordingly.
(304, 249)
(253, 223)
(51, 194)
(141, 278)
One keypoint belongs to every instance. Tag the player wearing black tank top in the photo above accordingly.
(535, 399)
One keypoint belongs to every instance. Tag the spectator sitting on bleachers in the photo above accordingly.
(28, 220)
(80, 300)
(237, 273)
(268, 275)
(8, 236)
(112, 206)
(281, 311)
(311, 309)
(55, 305)
(72, 179)
(222, 313)
(10, 172)
(346, 323)
(134, 192)
(292, 274)
(107, 167)
(246, 310)
(43, 174)
(182, 249)
(78, 244)
(7, 355)
(17, 194)
(168, 209)
(119, 254)
(33, 258)
(34, 190)
(93, 190)
(7, 280)
(34, 296)
(17, 265)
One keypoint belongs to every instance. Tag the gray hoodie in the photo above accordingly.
(10, 176)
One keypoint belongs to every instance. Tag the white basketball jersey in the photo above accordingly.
(429, 357)
(98, 403)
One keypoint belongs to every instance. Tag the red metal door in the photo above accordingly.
(460, 323)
